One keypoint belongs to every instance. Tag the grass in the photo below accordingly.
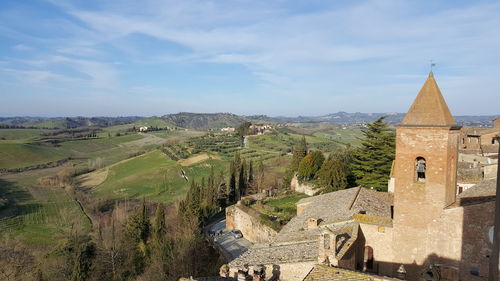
(16, 134)
(286, 203)
(95, 145)
(37, 214)
(279, 211)
(153, 176)
(19, 155)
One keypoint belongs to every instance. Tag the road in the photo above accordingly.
(230, 247)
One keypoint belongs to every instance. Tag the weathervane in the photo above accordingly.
(432, 64)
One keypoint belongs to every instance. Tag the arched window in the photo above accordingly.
(420, 168)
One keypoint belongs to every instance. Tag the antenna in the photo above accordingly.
(432, 64)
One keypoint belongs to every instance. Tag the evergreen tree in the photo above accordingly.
(373, 160)
(331, 176)
(260, 174)
(299, 152)
(159, 225)
(250, 173)
(231, 193)
(242, 180)
(310, 165)
(137, 227)
(305, 170)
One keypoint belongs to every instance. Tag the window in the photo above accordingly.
(420, 168)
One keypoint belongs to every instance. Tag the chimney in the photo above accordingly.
(312, 222)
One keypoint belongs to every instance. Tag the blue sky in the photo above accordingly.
(153, 57)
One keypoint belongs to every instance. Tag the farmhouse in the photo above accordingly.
(424, 227)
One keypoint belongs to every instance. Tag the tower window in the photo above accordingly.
(420, 168)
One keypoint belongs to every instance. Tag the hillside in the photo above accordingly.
(66, 122)
(204, 121)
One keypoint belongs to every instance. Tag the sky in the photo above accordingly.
(288, 58)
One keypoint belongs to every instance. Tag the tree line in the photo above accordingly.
(368, 166)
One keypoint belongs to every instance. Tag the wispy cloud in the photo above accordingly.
(342, 53)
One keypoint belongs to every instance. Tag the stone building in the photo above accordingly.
(424, 227)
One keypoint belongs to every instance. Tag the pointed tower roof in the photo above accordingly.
(429, 107)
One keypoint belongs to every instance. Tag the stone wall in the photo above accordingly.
(248, 222)
(302, 187)
(284, 272)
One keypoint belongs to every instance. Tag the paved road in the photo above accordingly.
(230, 246)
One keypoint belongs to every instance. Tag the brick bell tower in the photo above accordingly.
(425, 175)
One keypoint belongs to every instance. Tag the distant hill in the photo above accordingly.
(359, 118)
(67, 122)
(204, 121)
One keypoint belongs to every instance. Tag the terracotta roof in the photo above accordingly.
(326, 273)
(429, 107)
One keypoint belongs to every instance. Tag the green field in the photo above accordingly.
(16, 134)
(37, 214)
(287, 203)
(19, 155)
(153, 176)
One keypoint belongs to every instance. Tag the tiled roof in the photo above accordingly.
(335, 207)
(484, 191)
(277, 254)
(326, 273)
(484, 188)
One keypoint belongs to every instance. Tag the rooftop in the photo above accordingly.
(429, 107)
(479, 193)
(334, 207)
(265, 254)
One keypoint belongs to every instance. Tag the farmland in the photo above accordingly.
(158, 166)
(19, 155)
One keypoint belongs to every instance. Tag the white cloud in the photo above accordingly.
(356, 50)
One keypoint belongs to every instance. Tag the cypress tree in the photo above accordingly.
(231, 194)
(250, 173)
(299, 152)
(242, 180)
(159, 225)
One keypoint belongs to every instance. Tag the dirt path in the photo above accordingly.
(93, 179)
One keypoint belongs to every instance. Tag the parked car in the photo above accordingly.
(236, 233)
